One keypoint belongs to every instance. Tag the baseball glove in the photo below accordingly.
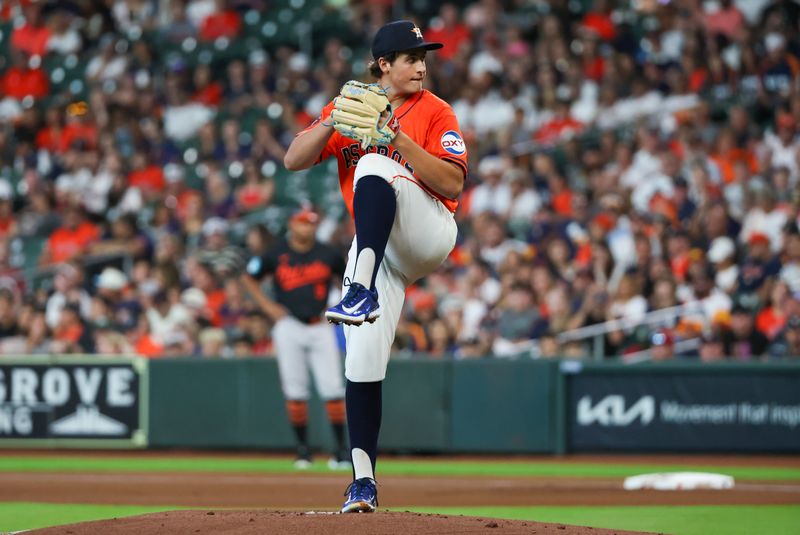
(362, 112)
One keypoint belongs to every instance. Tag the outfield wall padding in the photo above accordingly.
(429, 406)
(503, 406)
(238, 404)
(217, 404)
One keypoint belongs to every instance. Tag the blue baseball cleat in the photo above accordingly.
(362, 496)
(357, 306)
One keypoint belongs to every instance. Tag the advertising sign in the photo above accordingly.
(680, 411)
(71, 400)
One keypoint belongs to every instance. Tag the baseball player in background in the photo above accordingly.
(302, 272)
(402, 164)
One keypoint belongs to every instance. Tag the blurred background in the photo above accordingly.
(633, 187)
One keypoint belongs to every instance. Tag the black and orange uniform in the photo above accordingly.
(302, 341)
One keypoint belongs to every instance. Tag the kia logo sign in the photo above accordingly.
(452, 143)
(611, 411)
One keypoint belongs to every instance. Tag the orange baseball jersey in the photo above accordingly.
(426, 119)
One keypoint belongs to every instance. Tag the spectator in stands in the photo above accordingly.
(110, 63)
(663, 294)
(72, 239)
(24, 79)
(782, 145)
(67, 282)
(220, 200)
(448, 29)
(726, 20)
(722, 254)
(234, 310)
(661, 144)
(166, 315)
(592, 306)
(628, 303)
(662, 345)
(525, 201)
(71, 334)
(258, 240)
(266, 146)
(787, 344)
(38, 218)
(123, 238)
(207, 91)
(241, 346)
(178, 344)
(109, 341)
(223, 258)
(441, 342)
(32, 337)
(256, 192)
(757, 269)
(742, 341)
(257, 329)
(492, 239)
(712, 348)
(8, 317)
(147, 177)
(8, 225)
(557, 310)
(212, 343)
(548, 346)
(415, 331)
(713, 301)
(492, 194)
(773, 316)
(790, 257)
(32, 36)
(517, 322)
(221, 22)
(64, 37)
(764, 220)
(196, 301)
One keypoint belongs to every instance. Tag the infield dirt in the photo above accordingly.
(256, 496)
(292, 523)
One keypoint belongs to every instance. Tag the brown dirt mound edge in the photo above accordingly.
(241, 522)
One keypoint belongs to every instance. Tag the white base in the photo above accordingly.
(679, 481)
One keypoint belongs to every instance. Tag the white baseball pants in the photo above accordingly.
(423, 234)
(301, 348)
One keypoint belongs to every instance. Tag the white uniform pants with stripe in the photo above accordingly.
(423, 234)
(302, 348)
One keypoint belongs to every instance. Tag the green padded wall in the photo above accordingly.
(416, 406)
(428, 406)
(503, 406)
(217, 403)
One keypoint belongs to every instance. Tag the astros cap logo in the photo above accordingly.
(399, 35)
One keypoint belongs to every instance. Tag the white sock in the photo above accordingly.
(365, 267)
(362, 466)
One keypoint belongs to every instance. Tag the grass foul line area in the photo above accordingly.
(388, 467)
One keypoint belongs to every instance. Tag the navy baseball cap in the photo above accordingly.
(399, 35)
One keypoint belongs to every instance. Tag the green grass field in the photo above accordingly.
(696, 520)
(692, 520)
(388, 466)
(17, 516)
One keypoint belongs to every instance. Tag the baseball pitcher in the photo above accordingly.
(402, 163)
(302, 271)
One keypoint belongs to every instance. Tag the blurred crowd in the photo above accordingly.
(633, 187)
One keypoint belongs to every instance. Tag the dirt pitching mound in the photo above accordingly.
(298, 523)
